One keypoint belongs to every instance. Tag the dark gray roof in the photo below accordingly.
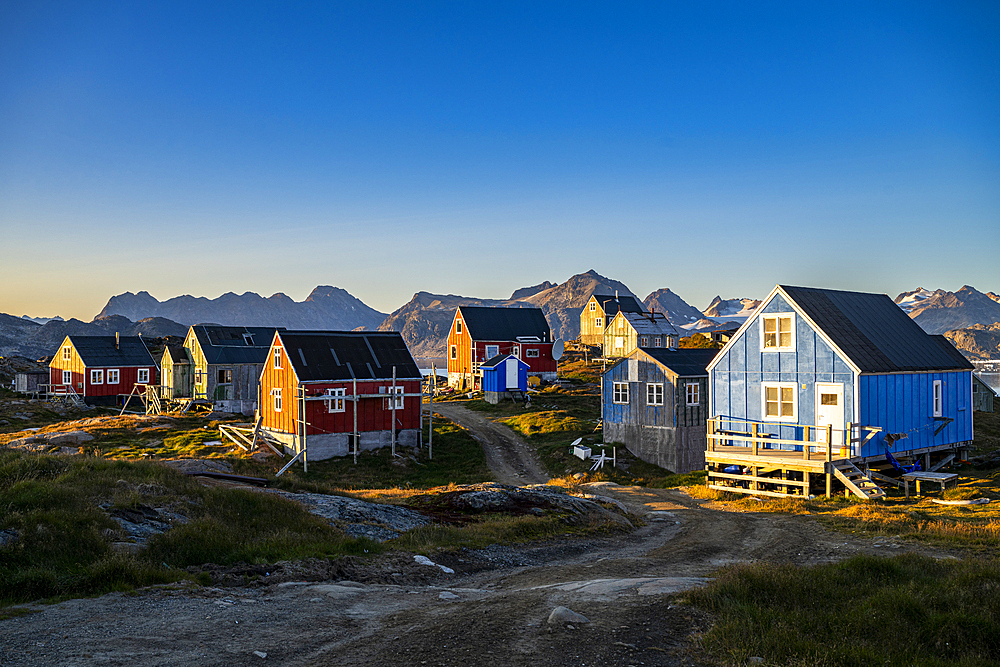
(690, 362)
(346, 355)
(234, 345)
(952, 351)
(612, 304)
(101, 351)
(874, 333)
(502, 324)
(495, 361)
(177, 354)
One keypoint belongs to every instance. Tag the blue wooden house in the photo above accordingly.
(504, 376)
(655, 402)
(847, 375)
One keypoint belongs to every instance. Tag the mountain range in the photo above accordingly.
(967, 315)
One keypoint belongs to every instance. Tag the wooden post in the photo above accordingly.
(430, 419)
(829, 442)
(753, 434)
(711, 432)
(848, 446)
(393, 429)
(305, 447)
(355, 410)
(805, 446)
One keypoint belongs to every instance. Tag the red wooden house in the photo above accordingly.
(99, 369)
(326, 392)
(479, 333)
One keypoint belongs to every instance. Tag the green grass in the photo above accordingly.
(492, 529)
(903, 611)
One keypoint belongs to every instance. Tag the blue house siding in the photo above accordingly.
(903, 403)
(738, 375)
(637, 411)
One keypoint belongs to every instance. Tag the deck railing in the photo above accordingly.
(811, 438)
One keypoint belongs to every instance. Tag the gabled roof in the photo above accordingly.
(499, 359)
(650, 323)
(234, 345)
(976, 380)
(689, 362)
(177, 354)
(346, 355)
(503, 324)
(613, 304)
(102, 351)
(870, 330)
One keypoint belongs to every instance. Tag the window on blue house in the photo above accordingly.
(778, 332)
(779, 401)
(620, 393)
(654, 393)
(938, 398)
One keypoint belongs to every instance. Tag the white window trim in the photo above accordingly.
(458, 327)
(619, 393)
(336, 404)
(654, 393)
(97, 376)
(67, 353)
(598, 322)
(937, 398)
(776, 317)
(496, 351)
(657, 341)
(117, 376)
(688, 386)
(593, 307)
(795, 401)
(277, 358)
(516, 350)
(531, 353)
(67, 377)
(276, 399)
(643, 341)
(142, 376)
(454, 352)
(398, 402)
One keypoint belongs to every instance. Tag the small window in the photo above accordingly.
(113, 376)
(654, 393)
(492, 351)
(975, 388)
(593, 307)
(335, 404)
(397, 401)
(658, 341)
(598, 322)
(143, 376)
(225, 376)
(777, 332)
(779, 401)
(248, 339)
(619, 341)
(276, 394)
(828, 399)
(516, 350)
(454, 352)
(277, 357)
(67, 353)
(691, 393)
(96, 377)
(620, 393)
(643, 341)
(67, 377)
(458, 326)
(531, 353)
(938, 398)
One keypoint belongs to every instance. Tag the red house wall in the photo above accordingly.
(374, 414)
(543, 363)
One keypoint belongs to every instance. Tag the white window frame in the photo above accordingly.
(598, 322)
(516, 350)
(657, 341)
(276, 357)
(643, 341)
(777, 347)
(276, 398)
(795, 401)
(496, 351)
(619, 342)
(937, 398)
(67, 353)
(142, 376)
(397, 401)
(619, 393)
(96, 376)
(654, 393)
(692, 394)
(454, 351)
(458, 327)
(336, 404)
(113, 376)
(531, 353)
(593, 307)
(67, 377)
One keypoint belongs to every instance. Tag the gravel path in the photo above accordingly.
(510, 459)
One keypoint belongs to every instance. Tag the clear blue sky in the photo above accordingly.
(475, 148)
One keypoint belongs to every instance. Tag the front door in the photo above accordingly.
(830, 410)
(512, 374)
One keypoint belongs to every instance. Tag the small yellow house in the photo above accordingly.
(601, 308)
(630, 331)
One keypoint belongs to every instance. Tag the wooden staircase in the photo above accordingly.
(856, 481)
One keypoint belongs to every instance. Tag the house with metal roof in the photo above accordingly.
(479, 333)
(334, 393)
(100, 369)
(599, 310)
(655, 402)
(847, 375)
(629, 330)
(219, 364)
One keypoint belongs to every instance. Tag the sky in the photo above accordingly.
(475, 148)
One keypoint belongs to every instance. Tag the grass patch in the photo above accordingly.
(903, 611)
(492, 529)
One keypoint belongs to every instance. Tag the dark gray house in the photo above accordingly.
(655, 402)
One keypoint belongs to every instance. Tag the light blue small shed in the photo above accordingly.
(504, 376)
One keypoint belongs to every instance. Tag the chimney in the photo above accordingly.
(116, 340)
(616, 295)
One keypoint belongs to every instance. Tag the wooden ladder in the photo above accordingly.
(855, 480)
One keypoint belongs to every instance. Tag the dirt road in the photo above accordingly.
(509, 458)
(393, 610)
